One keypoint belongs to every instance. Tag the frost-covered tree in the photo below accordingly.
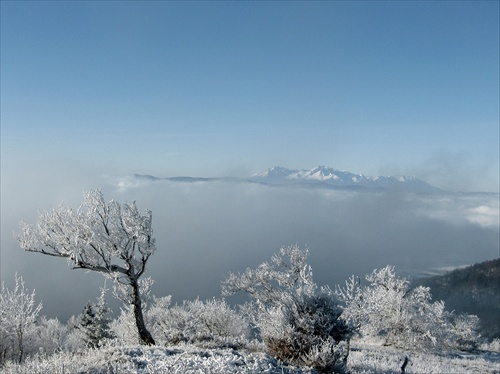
(88, 327)
(94, 322)
(298, 321)
(115, 240)
(388, 308)
(18, 312)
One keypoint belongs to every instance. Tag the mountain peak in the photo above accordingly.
(274, 172)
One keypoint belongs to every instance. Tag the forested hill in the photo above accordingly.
(474, 290)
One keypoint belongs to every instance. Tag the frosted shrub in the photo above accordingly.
(298, 321)
(74, 341)
(210, 321)
(463, 332)
(156, 314)
(493, 346)
(404, 317)
(306, 330)
(18, 313)
(50, 336)
(123, 328)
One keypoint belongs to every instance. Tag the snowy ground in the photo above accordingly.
(363, 359)
(146, 360)
(377, 359)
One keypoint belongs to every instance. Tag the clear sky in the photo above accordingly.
(232, 88)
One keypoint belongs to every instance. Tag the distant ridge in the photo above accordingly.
(318, 177)
(333, 178)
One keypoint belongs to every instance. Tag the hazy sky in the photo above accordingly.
(217, 88)
(95, 91)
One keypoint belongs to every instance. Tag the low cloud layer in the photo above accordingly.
(205, 230)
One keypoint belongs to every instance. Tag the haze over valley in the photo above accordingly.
(208, 227)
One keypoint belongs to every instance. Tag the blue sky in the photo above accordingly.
(220, 88)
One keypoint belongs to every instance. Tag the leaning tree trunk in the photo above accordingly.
(144, 334)
(20, 346)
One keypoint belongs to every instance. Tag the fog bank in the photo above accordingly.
(205, 230)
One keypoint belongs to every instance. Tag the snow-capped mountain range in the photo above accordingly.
(328, 177)
(318, 177)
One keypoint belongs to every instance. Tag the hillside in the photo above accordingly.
(473, 290)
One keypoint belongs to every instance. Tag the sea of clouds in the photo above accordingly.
(205, 230)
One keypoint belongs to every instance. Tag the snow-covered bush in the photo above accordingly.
(50, 337)
(306, 330)
(298, 321)
(463, 332)
(74, 341)
(156, 314)
(18, 313)
(407, 318)
(123, 328)
(210, 321)
(493, 346)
